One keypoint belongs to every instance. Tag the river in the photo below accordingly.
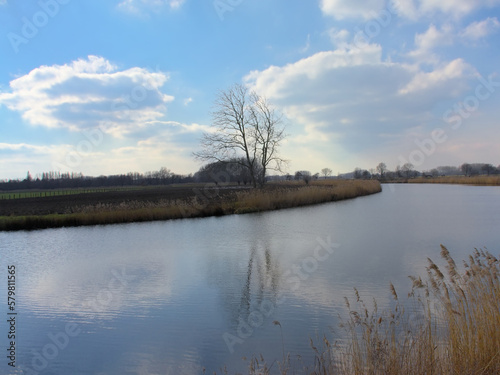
(177, 297)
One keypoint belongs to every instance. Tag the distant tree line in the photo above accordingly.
(408, 171)
(230, 171)
(65, 180)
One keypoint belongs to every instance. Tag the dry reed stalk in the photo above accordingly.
(457, 332)
(453, 328)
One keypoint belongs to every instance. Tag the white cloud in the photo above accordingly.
(343, 103)
(341, 9)
(426, 43)
(86, 93)
(140, 6)
(481, 29)
(274, 80)
(415, 9)
(456, 69)
(339, 38)
(433, 38)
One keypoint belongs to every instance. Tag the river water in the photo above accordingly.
(177, 297)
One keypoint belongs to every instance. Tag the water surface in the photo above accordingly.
(176, 297)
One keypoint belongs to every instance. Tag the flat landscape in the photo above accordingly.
(119, 205)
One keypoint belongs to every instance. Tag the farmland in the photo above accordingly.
(121, 205)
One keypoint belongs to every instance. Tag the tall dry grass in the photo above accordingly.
(461, 180)
(101, 214)
(456, 329)
(450, 324)
(316, 192)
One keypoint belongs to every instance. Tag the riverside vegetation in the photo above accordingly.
(449, 325)
(461, 180)
(213, 201)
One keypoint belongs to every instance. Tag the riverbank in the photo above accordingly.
(461, 180)
(172, 203)
(450, 324)
(456, 180)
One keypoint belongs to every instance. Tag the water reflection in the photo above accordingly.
(102, 289)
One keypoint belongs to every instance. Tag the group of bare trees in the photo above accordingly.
(58, 180)
(246, 130)
(408, 170)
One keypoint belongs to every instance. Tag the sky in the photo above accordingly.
(117, 86)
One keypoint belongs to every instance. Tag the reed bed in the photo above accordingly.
(461, 180)
(101, 214)
(450, 324)
(317, 192)
(239, 202)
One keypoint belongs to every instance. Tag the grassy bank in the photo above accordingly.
(317, 192)
(450, 324)
(462, 180)
(201, 204)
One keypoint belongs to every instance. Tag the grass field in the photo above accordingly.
(164, 203)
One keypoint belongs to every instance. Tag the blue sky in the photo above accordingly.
(105, 87)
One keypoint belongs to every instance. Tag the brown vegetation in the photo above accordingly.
(462, 180)
(170, 203)
(295, 194)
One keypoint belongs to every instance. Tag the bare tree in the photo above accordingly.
(466, 168)
(269, 133)
(245, 128)
(488, 168)
(382, 168)
(326, 172)
(407, 168)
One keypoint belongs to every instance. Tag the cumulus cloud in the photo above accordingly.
(351, 98)
(86, 93)
(416, 9)
(340, 9)
(434, 37)
(455, 70)
(425, 43)
(481, 29)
